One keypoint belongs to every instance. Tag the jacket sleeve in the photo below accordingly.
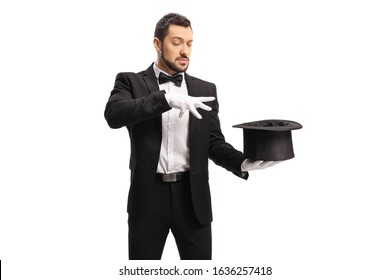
(221, 152)
(131, 102)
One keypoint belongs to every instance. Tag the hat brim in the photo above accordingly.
(270, 125)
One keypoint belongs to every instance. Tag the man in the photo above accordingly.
(173, 124)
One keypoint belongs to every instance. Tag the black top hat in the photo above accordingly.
(268, 140)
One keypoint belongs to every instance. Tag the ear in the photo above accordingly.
(157, 44)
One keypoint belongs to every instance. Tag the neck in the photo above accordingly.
(162, 66)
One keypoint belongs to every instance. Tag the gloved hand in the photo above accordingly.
(249, 165)
(186, 102)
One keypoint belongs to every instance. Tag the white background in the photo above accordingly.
(64, 172)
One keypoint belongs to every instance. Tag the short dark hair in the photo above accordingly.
(163, 24)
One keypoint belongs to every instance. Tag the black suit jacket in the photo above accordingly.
(137, 103)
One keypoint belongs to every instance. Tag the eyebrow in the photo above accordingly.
(181, 39)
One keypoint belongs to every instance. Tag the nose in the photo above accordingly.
(185, 50)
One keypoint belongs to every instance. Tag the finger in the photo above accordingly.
(194, 112)
(206, 98)
(266, 164)
(182, 109)
(202, 106)
(274, 163)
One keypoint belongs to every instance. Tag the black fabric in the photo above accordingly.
(172, 211)
(177, 79)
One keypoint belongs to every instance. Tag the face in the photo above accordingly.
(173, 54)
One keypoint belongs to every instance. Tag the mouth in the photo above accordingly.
(183, 60)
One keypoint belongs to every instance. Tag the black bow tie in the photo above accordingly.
(177, 79)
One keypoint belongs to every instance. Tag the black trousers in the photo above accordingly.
(170, 208)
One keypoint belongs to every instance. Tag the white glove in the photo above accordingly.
(186, 102)
(249, 165)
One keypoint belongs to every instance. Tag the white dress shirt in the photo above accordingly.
(174, 153)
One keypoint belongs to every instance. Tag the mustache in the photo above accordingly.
(183, 56)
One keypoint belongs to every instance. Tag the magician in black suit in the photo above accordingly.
(174, 129)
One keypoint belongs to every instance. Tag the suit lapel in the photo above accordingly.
(150, 79)
(193, 90)
(192, 85)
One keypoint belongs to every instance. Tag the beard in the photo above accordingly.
(171, 65)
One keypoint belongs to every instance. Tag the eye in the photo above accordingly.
(176, 42)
